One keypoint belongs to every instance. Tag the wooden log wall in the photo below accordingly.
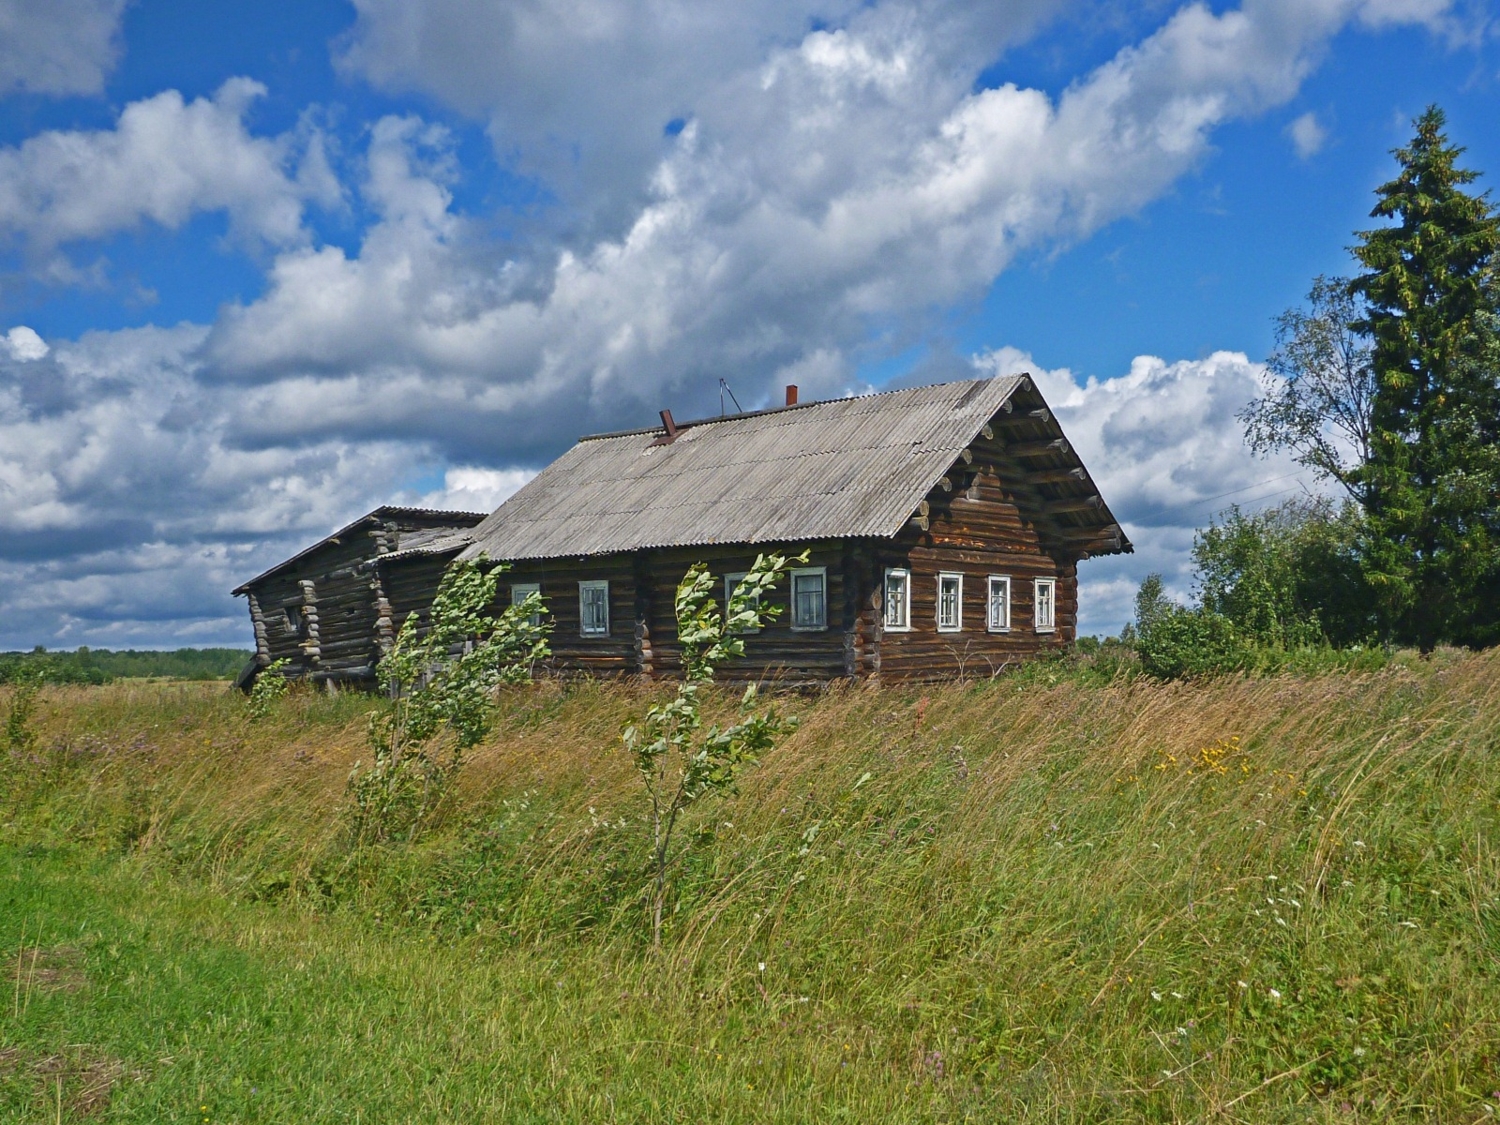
(777, 652)
(346, 623)
(976, 530)
(643, 626)
(619, 653)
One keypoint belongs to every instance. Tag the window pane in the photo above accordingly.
(807, 601)
(731, 582)
(999, 604)
(896, 599)
(949, 587)
(1045, 599)
(523, 590)
(593, 598)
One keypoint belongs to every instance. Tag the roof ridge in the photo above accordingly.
(785, 409)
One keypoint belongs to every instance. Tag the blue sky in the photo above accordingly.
(265, 266)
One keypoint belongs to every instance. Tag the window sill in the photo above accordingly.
(950, 630)
(809, 628)
(1047, 629)
(896, 628)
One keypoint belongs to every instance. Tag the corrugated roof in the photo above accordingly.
(851, 467)
(459, 520)
(429, 541)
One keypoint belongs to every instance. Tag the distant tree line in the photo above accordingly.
(1390, 390)
(101, 665)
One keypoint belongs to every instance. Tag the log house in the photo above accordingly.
(333, 609)
(944, 524)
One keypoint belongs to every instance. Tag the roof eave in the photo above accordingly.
(353, 525)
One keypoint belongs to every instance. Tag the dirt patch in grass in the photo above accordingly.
(83, 1080)
(10, 1061)
(59, 969)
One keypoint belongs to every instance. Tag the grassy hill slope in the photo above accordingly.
(1047, 898)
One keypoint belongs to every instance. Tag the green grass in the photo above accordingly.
(1055, 897)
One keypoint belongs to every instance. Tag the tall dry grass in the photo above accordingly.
(1058, 900)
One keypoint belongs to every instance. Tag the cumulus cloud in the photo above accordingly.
(24, 344)
(586, 96)
(471, 489)
(165, 160)
(1308, 136)
(851, 181)
(58, 46)
(127, 513)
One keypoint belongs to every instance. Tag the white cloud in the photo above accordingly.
(126, 506)
(852, 178)
(1308, 137)
(471, 489)
(1164, 446)
(58, 46)
(581, 94)
(24, 344)
(165, 161)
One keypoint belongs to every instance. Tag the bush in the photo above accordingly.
(1179, 643)
(1289, 576)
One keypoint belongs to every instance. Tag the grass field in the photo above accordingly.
(1055, 897)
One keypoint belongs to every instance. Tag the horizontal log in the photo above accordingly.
(1057, 476)
(1025, 449)
(1074, 504)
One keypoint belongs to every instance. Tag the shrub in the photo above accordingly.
(441, 681)
(1288, 576)
(679, 762)
(271, 686)
(1180, 643)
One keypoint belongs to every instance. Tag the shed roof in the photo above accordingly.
(850, 467)
(441, 532)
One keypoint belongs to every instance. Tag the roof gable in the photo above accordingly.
(852, 467)
(414, 531)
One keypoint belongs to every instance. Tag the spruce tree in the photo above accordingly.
(1432, 482)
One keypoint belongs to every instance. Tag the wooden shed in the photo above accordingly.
(333, 609)
(944, 524)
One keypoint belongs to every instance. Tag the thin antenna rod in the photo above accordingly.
(723, 386)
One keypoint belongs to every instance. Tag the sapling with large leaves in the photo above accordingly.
(679, 762)
(441, 680)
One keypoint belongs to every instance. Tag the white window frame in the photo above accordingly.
(885, 614)
(804, 572)
(730, 582)
(520, 591)
(1050, 624)
(958, 604)
(583, 627)
(1000, 624)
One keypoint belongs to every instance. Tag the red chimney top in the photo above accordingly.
(791, 394)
